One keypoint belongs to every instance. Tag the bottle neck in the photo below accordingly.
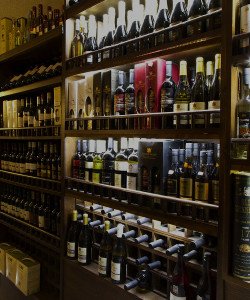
(121, 13)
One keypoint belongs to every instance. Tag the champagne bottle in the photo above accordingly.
(85, 243)
(178, 15)
(109, 40)
(72, 237)
(180, 282)
(199, 95)
(162, 21)
(215, 93)
(204, 289)
(182, 97)
(105, 252)
(121, 31)
(196, 9)
(119, 256)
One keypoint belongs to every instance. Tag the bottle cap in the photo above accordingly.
(120, 228)
(85, 219)
(107, 225)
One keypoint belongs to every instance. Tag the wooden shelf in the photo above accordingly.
(30, 138)
(185, 222)
(239, 282)
(200, 45)
(32, 87)
(41, 183)
(23, 52)
(31, 187)
(35, 133)
(29, 231)
(153, 133)
(240, 165)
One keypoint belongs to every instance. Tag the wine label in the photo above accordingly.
(82, 255)
(119, 104)
(96, 175)
(196, 106)
(41, 221)
(172, 187)
(132, 182)
(90, 58)
(102, 265)
(106, 54)
(244, 124)
(214, 104)
(245, 24)
(201, 191)
(89, 167)
(108, 172)
(177, 293)
(115, 271)
(71, 249)
(129, 102)
(179, 107)
(20, 122)
(241, 226)
(32, 166)
(120, 166)
(215, 191)
(25, 120)
(132, 167)
(167, 99)
(186, 188)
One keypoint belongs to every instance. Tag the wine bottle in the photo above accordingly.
(182, 97)
(196, 9)
(167, 96)
(157, 243)
(115, 213)
(243, 107)
(105, 28)
(202, 180)
(209, 75)
(109, 164)
(119, 101)
(142, 239)
(204, 289)
(109, 40)
(119, 256)
(85, 243)
(77, 44)
(215, 93)
(83, 157)
(121, 31)
(98, 162)
(105, 252)
(179, 288)
(179, 14)
(215, 179)
(76, 161)
(173, 181)
(91, 43)
(199, 95)
(121, 164)
(162, 21)
(134, 29)
(128, 216)
(142, 220)
(148, 24)
(72, 237)
(186, 178)
(130, 100)
(89, 161)
(129, 234)
(132, 170)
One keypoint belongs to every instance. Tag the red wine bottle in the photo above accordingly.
(178, 15)
(180, 282)
(204, 285)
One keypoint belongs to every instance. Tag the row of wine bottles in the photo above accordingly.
(112, 259)
(34, 74)
(153, 86)
(44, 109)
(191, 172)
(38, 209)
(141, 22)
(32, 158)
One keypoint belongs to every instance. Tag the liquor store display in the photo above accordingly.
(118, 258)
(120, 145)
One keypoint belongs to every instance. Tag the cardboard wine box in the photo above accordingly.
(110, 83)
(154, 161)
(5, 28)
(89, 100)
(9, 114)
(15, 106)
(3, 248)
(5, 114)
(140, 87)
(72, 101)
(12, 256)
(28, 276)
(97, 96)
(57, 106)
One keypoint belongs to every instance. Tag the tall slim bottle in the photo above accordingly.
(121, 31)
(91, 43)
(72, 237)
(109, 40)
(85, 243)
(179, 14)
(162, 21)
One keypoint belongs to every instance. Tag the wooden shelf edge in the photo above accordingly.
(30, 46)
(211, 229)
(73, 11)
(240, 165)
(32, 87)
(30, 236)
(237, 281)
(30, 138)
(153, 133)
(189, 46)
(31, 187)
(30, 226)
